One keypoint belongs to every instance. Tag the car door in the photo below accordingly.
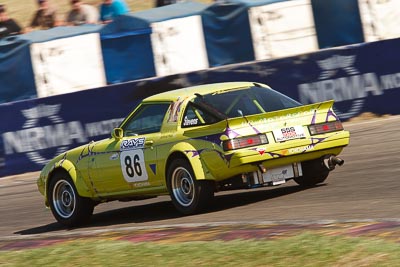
(119, 166)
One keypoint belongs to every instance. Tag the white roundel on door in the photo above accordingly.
(132, 160)
(133, 166)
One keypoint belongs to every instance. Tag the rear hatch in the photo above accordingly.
(299, 129)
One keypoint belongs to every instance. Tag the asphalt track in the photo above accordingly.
(365, 188)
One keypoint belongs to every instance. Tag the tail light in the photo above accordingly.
(325, 127)
(247, 141)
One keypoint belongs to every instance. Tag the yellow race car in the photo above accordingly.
(192, 142)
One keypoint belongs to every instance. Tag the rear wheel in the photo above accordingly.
(67, 206)
(188, 194)
(314, 172)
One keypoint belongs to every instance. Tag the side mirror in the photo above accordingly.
(117, 133)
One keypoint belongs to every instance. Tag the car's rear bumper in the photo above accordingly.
(247, 160)
(299, 150)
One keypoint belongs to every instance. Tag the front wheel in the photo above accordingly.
(67, 206)
(188, 194)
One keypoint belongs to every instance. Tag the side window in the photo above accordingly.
(195, 116)
(147, 119)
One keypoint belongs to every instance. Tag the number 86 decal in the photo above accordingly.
(133, 167)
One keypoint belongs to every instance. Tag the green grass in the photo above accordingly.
(303, 250)
(23, 10)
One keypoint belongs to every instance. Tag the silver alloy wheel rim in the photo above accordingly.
(182, 186)
(64, 199)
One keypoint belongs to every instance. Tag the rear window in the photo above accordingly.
(249, 101)
(211, 108)
(207, 109)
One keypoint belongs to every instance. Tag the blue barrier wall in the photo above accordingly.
(227, 34)
(16, 74)
(129, 58)
(337, 22)
(361, 78)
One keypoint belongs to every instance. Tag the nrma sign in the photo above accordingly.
(340, 80)
(44, 130)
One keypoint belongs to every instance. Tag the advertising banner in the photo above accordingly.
(43, 128)
(179, 46)
(278, 29)
(380, 19)
(39, 129)
(68, 65)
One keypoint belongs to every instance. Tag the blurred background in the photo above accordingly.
(23, 10)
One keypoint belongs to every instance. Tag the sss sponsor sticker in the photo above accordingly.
(289, 133)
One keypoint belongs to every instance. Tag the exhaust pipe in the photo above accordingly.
(331, 161)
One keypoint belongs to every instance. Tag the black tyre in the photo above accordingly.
(188, 195)
(314, 172)
(67, 206)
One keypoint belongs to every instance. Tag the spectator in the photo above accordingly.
(45, 16)
(8, 26)
(110, 9)
(81, 14)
